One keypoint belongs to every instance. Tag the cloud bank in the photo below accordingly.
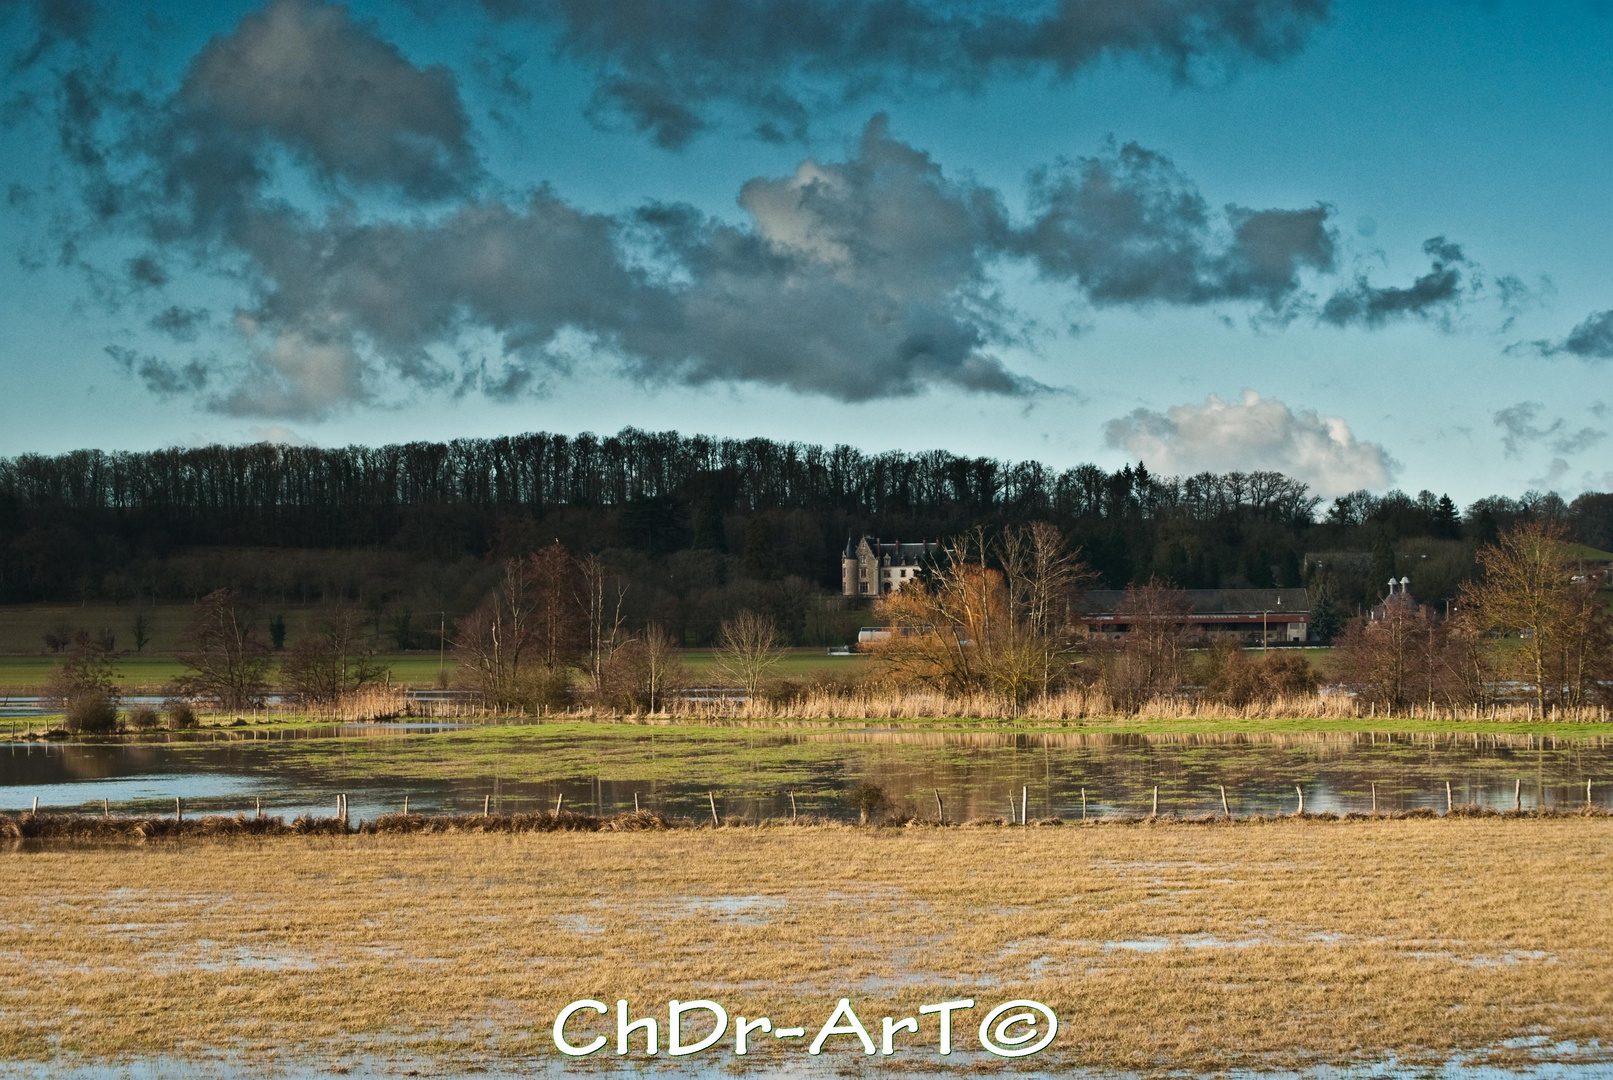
(1253, 433)
(307, 164)
(864, 278)
(665, 68)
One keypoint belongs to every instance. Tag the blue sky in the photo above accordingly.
(1006, 233)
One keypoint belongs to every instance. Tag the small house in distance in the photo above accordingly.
(871, 567)
(1272, 616)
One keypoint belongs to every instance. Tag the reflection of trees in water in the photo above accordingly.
(54, 763)
(975, 772)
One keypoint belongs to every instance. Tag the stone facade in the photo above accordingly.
(870, 567)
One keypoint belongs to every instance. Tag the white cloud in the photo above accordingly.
(1254, 433)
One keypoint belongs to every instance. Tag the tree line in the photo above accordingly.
(997, 616)
(368, 525)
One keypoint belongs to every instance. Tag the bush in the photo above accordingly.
(181, 714)
(92, 713)
(1239, 677)
(143, 718)
(869, 799)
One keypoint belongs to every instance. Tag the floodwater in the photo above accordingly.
(775, 774)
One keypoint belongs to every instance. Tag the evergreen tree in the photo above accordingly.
(1447, 523)
(759, 561)
(1382, 567)
(709, 534)
(1325, 622)
(1292, 576)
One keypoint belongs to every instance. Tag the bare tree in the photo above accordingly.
(1385, 659)
(228, 664)
(519, 643)
(994, 616)
(748, 650)
(493, 644)
(601, 598)
(642, 672)
(85, 685)
(1042, 572)
(336, 659)
(1564, 631)
(1151, 657)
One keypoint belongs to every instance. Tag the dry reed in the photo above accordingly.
(1280, 945)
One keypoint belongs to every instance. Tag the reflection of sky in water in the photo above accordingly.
(976, 773)
(129, 790)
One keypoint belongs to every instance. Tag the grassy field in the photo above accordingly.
(153, 669)
(1277, 945)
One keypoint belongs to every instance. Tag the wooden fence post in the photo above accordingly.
(1517, 794)
(1374, 796)
(487, 805)
(1301, 792)
(557, 800)
(635, 802)
(1155, 812)
(1083, 804)
(406, 806)
(1448, 799)
(1225, 810)
(1025, 801)
(940, 810)
(179, 810)
(793, 812)
(713, 800)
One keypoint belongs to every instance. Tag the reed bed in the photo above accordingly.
(91, 827)
(1077, 705)
(379, 704)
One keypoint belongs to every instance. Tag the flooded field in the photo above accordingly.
(682, 771)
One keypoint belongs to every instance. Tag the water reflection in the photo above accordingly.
(755, 774)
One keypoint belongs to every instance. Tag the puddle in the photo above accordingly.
(738, 910)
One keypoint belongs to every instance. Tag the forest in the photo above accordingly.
(694, 528)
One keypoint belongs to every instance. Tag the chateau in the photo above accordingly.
(870, 567)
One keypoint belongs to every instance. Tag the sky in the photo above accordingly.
(1367, 244)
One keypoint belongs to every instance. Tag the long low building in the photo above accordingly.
(1254, 615)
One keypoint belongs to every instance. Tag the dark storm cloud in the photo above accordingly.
(307, 78)
(1434, 295)
(856, 279)
(1130, 228)
(1590, 340)
(664, 66)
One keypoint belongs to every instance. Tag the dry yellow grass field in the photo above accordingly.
(1162, 947)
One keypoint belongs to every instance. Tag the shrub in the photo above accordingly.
(181, 714)
(143, 718)
(869, 799)
(92, 713)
